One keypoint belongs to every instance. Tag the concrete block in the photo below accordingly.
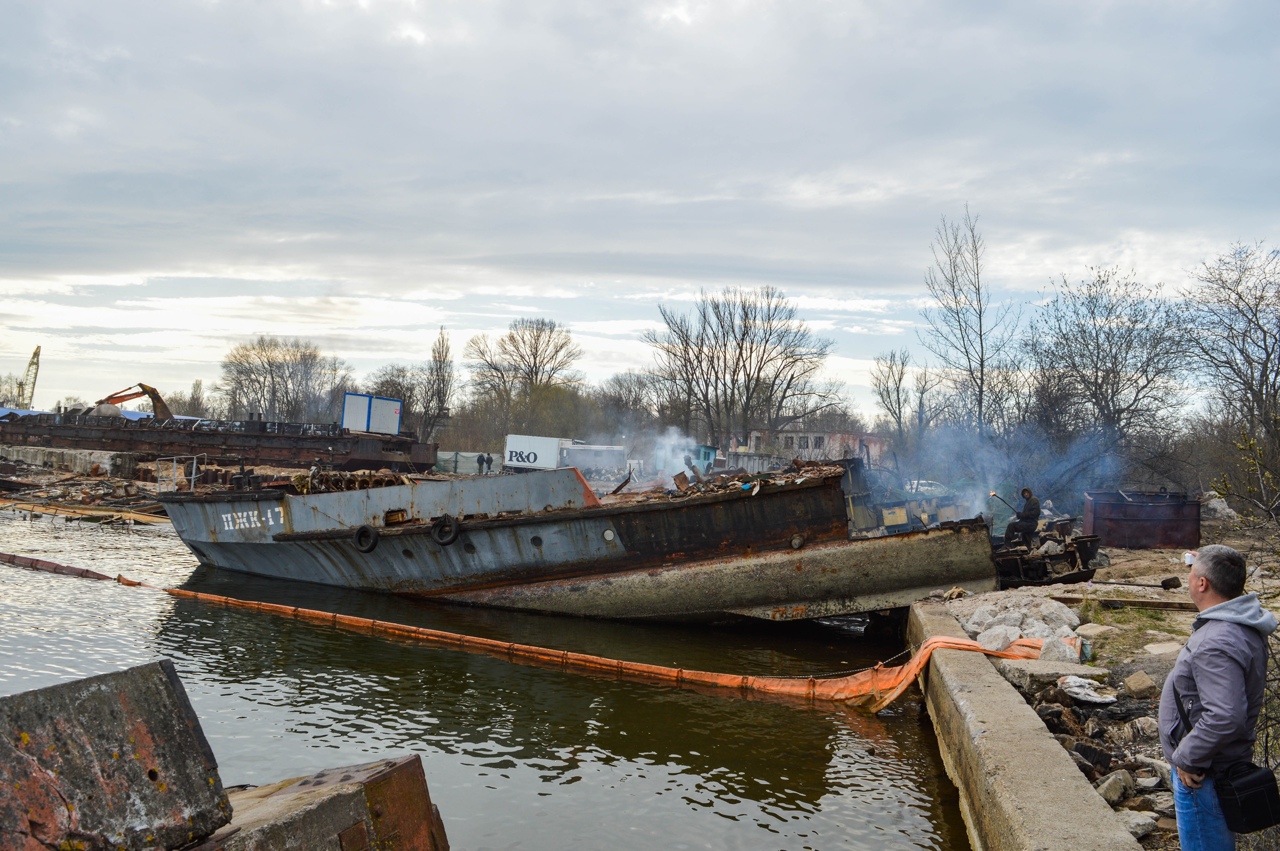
(1116, 787)
(116, 761)
(980, 619)
(1140, 685)
(1093, 630)
(1031, 675)
(1015, 779)
(383, 805)
(1033, 627)
(122, 465)
(1056, 615)
(1057, 650)
(998, 637)
(1139, 824)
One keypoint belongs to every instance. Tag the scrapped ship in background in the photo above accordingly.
(774, 547)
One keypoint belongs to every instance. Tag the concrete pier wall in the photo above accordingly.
(122, 465)
(1019, 789)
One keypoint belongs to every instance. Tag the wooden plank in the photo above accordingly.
(82, 511)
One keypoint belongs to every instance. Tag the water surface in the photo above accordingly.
(516, 757)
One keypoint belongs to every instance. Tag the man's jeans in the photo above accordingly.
(1201, 825)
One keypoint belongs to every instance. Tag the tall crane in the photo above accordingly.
(27, 386)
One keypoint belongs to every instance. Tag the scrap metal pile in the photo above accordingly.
(726, 481)
(91, 499)
(333, 481)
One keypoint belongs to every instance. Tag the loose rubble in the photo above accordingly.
(1109, 728)
(96, 498)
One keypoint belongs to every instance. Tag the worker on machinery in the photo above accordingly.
(1025, 521)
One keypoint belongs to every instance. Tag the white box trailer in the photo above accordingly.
(376, 414)
(526, 452)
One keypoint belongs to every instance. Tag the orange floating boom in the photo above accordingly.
(875, 688)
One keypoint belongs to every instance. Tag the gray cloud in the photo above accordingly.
(488, 157)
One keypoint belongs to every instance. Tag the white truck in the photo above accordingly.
(526, 452)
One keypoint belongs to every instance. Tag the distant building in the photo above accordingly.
(811, 445)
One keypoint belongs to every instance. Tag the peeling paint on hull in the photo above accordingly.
(706, 556)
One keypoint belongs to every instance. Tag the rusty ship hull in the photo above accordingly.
(543, 542)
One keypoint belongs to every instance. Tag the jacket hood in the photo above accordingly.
(1245, 610)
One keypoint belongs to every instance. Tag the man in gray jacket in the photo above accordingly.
(1219, 678)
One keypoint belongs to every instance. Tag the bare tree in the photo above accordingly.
(439, 386)
(533, 355)
(284, 380)
(744, 360)
(9, 390)
(889, 384)
(1233, 326)
(627, 402)
(425, 389)
(927, 403)
(190, 404)
(969, 334)
(1115, 349)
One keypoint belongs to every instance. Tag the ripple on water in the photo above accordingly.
(516, 757)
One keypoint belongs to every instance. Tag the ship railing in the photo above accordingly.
(173, 472)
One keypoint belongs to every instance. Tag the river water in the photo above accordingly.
(516, 757)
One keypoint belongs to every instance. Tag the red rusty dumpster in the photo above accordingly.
(1143, 520)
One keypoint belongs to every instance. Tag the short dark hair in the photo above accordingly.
(1224, 568)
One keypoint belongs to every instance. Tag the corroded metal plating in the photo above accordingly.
(778, 552)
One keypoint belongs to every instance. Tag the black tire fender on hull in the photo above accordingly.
(445, 529)
(365, 538)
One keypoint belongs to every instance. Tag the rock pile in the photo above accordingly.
(1110, 733)
(1006, 618)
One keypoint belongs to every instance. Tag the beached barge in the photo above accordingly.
(773, 549)
(225, 443)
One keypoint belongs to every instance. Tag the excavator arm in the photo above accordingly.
(159, 408)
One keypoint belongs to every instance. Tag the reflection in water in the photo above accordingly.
(517, 757)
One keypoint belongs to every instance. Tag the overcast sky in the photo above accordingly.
(178, 177)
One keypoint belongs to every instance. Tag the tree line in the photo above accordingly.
(1104, 382)
(741, 360)
(1096, 386)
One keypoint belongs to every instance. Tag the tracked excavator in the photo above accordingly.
(136, 391)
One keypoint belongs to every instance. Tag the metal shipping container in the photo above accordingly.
(1142, 520)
